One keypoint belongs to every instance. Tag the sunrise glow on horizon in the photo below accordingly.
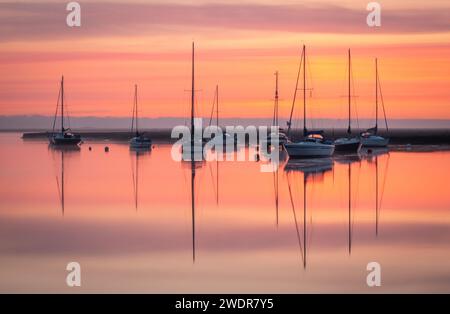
(239, 46)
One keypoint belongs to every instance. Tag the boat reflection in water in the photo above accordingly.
(312, 169)
(372, 156)
(349, 160)
(137, 153)
(62, 152)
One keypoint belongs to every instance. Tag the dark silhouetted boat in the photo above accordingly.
(64, 137)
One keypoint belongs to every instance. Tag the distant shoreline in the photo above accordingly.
(397, 136)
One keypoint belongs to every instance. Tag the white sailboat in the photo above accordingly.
(313, 144)
(370, 138)
(350, 143)
(139, 141)
(65, 137)
(192, 148)
(282, 138)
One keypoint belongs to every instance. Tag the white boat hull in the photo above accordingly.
(308, 150)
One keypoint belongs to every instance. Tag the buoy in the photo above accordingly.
(106, 149)
(90, 148)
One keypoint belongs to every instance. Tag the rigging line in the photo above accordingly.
(354, 97)
(212, 110)
(133, 113)
(382, 104)
(66, 107)
(310, 84)
(295, 93)
(56, 112)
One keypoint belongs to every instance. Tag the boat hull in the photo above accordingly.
(139, 143)
(347, 146)
(308, 150)
(375, 141)
(65, 141)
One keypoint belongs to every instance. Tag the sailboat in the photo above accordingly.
(139, 140)
(193, 147)
(313, 144)
(282, 138)
(370, 138)
(226, 137)
(65, 137)
(350, 143)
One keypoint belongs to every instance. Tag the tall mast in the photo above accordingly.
(349, 130)
(376, 95)
(136, 108)
(62, 104)
(217, 159)
(192, 158)
(304, 91)
(192, 103)
(275, 108)
(217, 105)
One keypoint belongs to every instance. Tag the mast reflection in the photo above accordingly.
(63, 151)
(311, 169)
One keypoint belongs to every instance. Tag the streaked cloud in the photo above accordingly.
(36, 21)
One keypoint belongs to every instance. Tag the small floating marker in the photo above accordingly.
(90, 148)
(106, 149)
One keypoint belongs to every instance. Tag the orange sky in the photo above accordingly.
(240, 44)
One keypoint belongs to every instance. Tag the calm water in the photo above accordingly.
(127, 219)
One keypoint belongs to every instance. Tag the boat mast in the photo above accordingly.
(192, 104)
(62, 104)
(136, 108)
(304, 91)
(275, 108)
(217, 105)
(376, 95)
(349, 130)
(217, 159)
(192, 158)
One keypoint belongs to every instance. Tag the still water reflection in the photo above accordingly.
(140, 222)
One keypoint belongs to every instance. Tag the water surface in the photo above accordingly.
(130, 220)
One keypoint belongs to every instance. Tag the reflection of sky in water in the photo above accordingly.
(247, 239)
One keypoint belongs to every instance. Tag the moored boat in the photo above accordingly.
(64, 137)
